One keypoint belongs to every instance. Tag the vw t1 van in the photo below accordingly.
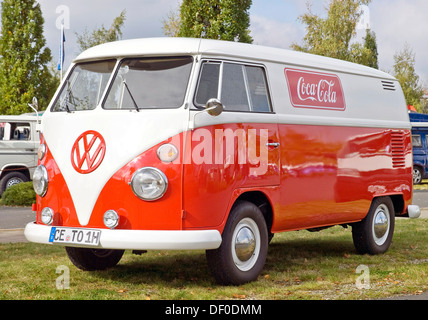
(189, 144)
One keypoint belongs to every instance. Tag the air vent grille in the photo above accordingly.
(398, 149)
(388, 85)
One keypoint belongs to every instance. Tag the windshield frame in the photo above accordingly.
(116, 72)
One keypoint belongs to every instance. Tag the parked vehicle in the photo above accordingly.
(171, 144)
(420, 146)
(19, 142)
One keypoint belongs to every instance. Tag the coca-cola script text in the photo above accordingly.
(315, 90)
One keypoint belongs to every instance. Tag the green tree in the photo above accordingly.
(366, 54)
(171, 25)
(102, 35)
(332, 36)
(216, 19)
(25, 59)
(404, 71)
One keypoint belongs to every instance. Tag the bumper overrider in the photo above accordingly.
(124, 239)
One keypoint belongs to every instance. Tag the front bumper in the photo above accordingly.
(139, 239)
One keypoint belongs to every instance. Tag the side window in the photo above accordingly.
(20, 131)
(208, 83)
(234, 95)
(239, 87)
(2, 127)
(416, 141)
(257, 86)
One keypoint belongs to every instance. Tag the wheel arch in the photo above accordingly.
(19, 168)
(262, 201)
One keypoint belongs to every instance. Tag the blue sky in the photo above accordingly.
(273, 23)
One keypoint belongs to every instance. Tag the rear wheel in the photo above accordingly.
(94, 259)
(242, 254)
(373, 235)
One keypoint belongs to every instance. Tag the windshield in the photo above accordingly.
(84, 87)
(150, 83)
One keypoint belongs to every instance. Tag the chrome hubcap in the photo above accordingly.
(245, 244)
(381, 224)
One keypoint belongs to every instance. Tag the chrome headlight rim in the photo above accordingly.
(161, 176)
(47, 215)
(40, 176)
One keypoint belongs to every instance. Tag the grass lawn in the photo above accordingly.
(300, 265)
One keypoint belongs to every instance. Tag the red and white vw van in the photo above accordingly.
(172, 144)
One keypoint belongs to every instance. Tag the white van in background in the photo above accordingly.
(19, 141)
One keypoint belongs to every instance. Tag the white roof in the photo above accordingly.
(18, 118)
(213, 48)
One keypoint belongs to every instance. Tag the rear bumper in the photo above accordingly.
(139, 239)
(413, 212)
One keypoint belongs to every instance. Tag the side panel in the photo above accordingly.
(329, 175)
(220, 160)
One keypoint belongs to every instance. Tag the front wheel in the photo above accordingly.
(242, 254)
(94, 259)
(373, 235)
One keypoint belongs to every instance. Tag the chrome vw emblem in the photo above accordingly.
(88, 152)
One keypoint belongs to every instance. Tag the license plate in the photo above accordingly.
(87, 237)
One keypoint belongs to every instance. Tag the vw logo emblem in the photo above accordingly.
(88, 152)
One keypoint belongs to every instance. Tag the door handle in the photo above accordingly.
(272, 145)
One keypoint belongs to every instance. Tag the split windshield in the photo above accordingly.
(138, 84)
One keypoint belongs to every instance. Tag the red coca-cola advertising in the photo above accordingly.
(316, 90)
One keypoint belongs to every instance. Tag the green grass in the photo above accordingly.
(300, 265)
(422, 186)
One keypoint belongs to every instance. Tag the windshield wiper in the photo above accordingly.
(132, 97)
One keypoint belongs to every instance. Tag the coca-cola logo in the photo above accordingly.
(315, 90)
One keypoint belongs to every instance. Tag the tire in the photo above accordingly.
(417, 175)
(373, 235)
(11, 179)
(94, 259)
(242, 254)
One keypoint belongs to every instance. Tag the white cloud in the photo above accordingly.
(274, 33)
(396, 23)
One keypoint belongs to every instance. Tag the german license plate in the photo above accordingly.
(86, 237)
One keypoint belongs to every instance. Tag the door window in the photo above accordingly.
(239, 87)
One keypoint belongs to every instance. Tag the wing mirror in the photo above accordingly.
(214, 107)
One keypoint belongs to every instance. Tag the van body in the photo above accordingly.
(172, 144)
(19, 141)
(419, 124)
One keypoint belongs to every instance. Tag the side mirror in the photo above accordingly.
(34, 105)
(214, 107)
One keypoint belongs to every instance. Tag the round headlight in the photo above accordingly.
(41, 151)
(111, 219)
(40, 180)
(47, 215)
(149, 184)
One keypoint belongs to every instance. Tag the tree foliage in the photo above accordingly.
(216, 19)
(102, 35)
(24, 70)
(332, 36)
(404, 71)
